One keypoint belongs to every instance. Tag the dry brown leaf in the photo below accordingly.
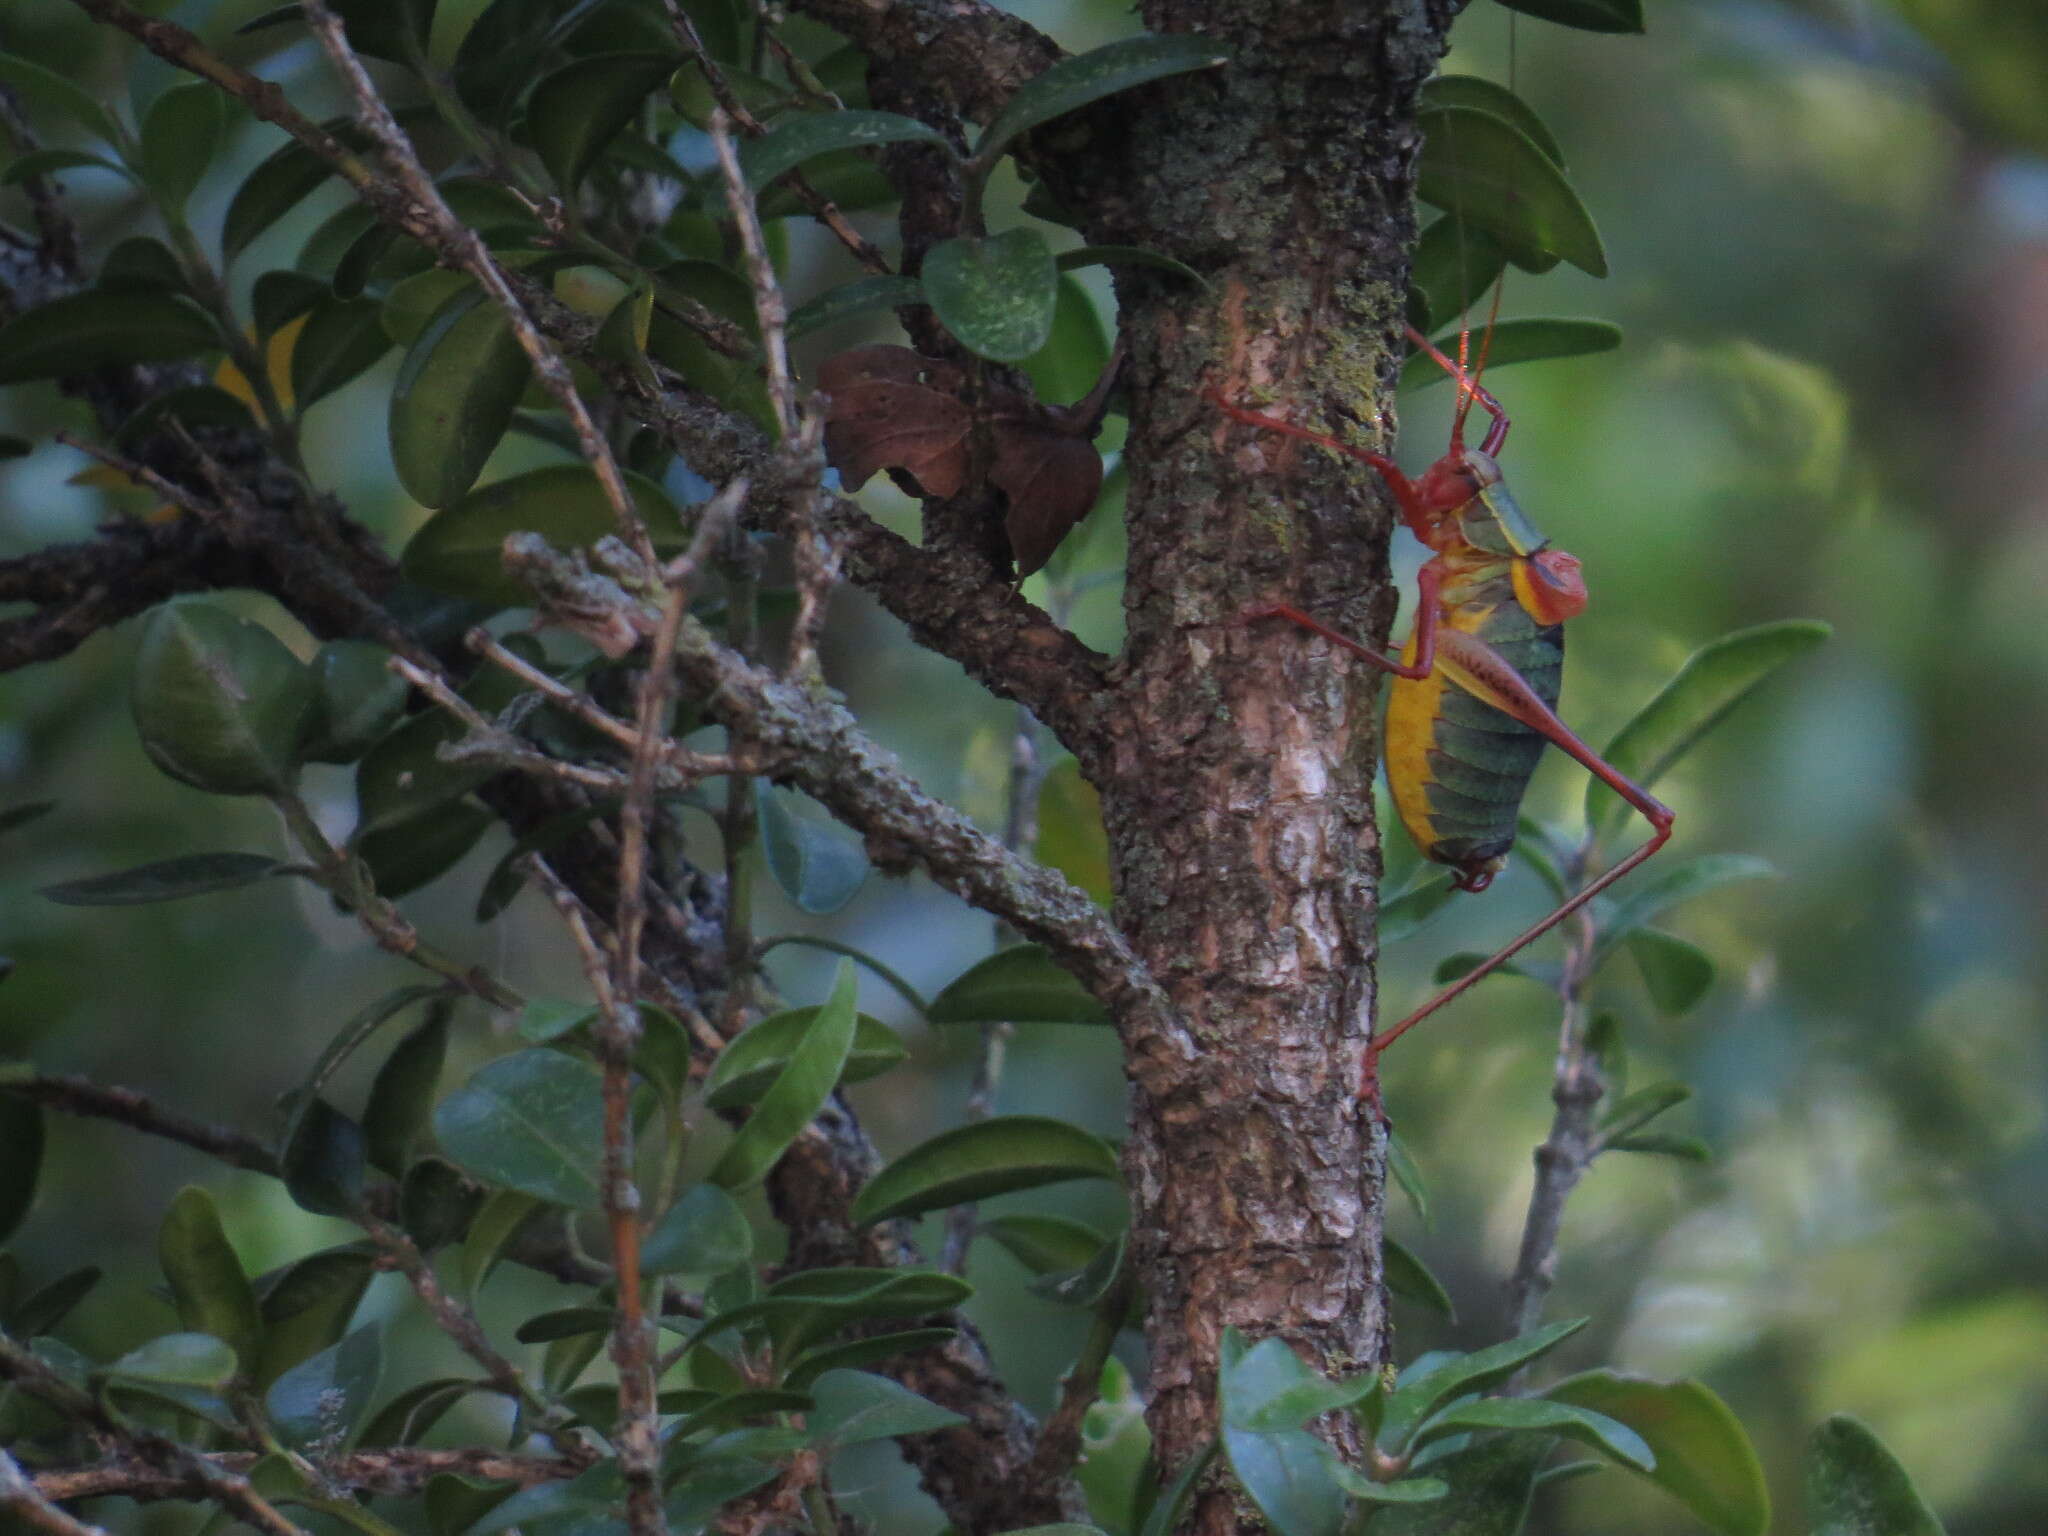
(892, 408)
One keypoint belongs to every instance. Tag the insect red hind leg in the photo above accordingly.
(1478, 668)
(1428, 621)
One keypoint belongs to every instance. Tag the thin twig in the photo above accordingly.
(229, 1489)
(32, 1506)
(78, 1096)
(385, 1470)
(769, 305)
(475, 258)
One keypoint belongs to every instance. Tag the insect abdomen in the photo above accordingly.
(1457, 766)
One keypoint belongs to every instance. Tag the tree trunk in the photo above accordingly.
(1239, 791)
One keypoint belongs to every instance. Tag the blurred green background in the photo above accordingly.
(1828, 228)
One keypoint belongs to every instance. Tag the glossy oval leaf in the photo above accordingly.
(1489, 1485)
(1586, 15)
(1536, 339)
(437, 1202)
(1677, 974)
(1043, 1243)
(858, 297)
(749, 1066)
(1673, 887)
(401, 1100)
(192, 1359)
(102, 328)
(1416, 1399)
(857, 1406)
(997, 294)
(357, 699)
(1717, 677)
(309, 1305)
(280, 182)
(1856, 1487)
(48, 91)
(460, 550)
(1287, 1474)
(454, 397)
(322, 1161)
(855, 1353)
(1018, 985)
(1126, 256)
(800, 137)
(341, 339)
(1454, 264)
(181, 134)
(324, 1400)
(1409, 913)
(531, 1122)
(208, 1285)
(1075, 82)
(218, 702)
(795, 1098)
(1484, 170)
(192, 874)
(500, 1220)
(21, 1162)
(818, 865)
(1704, 1459)
(576, 111)
(1540, 1416)
(1484, 95)
(704, 1233)
(52, 162)
(988, 1157)
(42, 1310)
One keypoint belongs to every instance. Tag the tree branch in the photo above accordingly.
(967, 51)
(77, 1096)
(384, 1471)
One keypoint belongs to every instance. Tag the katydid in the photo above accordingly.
(1475, 689)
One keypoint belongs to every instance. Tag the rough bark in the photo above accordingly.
(1239, 796)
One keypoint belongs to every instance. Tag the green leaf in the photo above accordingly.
(403, 858)
(342, 338)
(594, 1494)
(1270, 1389)
(1609, 1050)
(322, 1161)
(182, 133)
(1483, 95)
(178, 1359)
(140, 264)
(1413, 1401)
(747, 1067)
(1454, 264)
(191, 874)
(1538, 1415)
(51, 162)
(1287, 1474)
(21, 815)
(564, 1323)
(1075, 82)
(454, 397)
(532, 1122)
(190, 405)
(988, 1157)
(854, 1407)
(495, 1226)
(797, 1095)
(1173, 1500)
(1586, 15)
(1673, 886)
(1689, 1149)
(283, 180)
(321, 1402)
(1643, 1106)
(1408, 1174)
(801, 136)
(402, 778)
(1126, 256)
(219, 702)
(1678, 974)
(47, 91)
(211, 1292)
(1410, 912)
(1090, 1285)
(1019, 985)
(711, 1483)
(309, 1305)
(997, 294)
(408, 1416)
(1409, 1490)
(21, 1159)
(854, 298)
(704, 1233)
(1044, 1244)
(437, 1202)
(858, 1352)
(819, 866)
(576, 111)
(1484, 170)
(460, 549)
(357, 699)
(1489, 1484)
(807, 1306)
(401, 1098)
(1717, 678)
(1704, 1459)
(102, 328)
(1856, 1487)
(1532, 340)
(281, 297)
(1410, 1278)
(41, 1310)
